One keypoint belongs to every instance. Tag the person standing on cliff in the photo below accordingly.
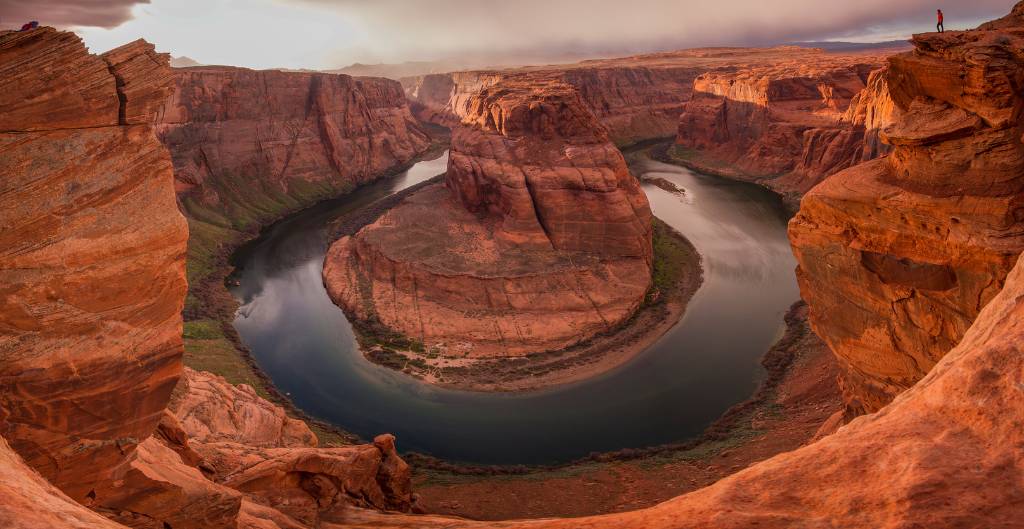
(939, 27)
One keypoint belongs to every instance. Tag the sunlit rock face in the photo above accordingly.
(898, 256)
(249, 145)
(93, 252)
(539, 238)
(636, 98)
(93, 285)
(787, 124)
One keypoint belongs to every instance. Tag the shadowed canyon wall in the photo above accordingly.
(539, 239)
(898, 256)
(249, 146)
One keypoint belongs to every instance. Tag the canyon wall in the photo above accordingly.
(634, 103)
(946, 453)
(249, 146)
(786, 124)
(641, 98)
(93, 247)
(898, 256)
(539, 239)
(93, 253)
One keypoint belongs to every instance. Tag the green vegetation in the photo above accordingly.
(208, 349)
(674, 257)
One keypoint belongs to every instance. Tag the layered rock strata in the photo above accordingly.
(945, 453)
(93, 251)
(787, 124)
(898, 256)
(539, 239)
(635, 98)
(249, 145)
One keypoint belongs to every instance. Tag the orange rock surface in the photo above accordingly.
(898, 256)
(635, 98)
(945, 453)
(539, 239)
(93, 251)
(789, 123)
(247, 144)
(93, 285)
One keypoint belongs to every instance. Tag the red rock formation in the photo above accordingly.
(635, 98)
(787, 124)
(249, 145)
(541, 239)
(93, 253)
(898, 256)
(946, 453)
(90, 326)
(211, 410)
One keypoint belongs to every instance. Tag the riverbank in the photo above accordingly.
(676, 274)
(796, 396)
(211, 341)
(669, 152)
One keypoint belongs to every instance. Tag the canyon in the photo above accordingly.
(249, 146)
(788, 125)
(784, 117)
(539, 238)
(94, 285)
(899, 255)
(909, 263)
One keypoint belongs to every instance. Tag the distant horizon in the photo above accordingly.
(335, 34)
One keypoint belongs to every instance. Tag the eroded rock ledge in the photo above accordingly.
(539, 239)
(898, 256)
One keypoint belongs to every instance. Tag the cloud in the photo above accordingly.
(66, 13)
(331, 33)
(451, 26)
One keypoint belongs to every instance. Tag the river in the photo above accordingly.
(670, 392)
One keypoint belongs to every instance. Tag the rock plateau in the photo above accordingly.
(787, 124)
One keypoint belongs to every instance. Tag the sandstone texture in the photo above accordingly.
(636, 98)
(93, 285)
(93, 254)
(539, 239)
(945, 453)
(250, 145)
(899, 255)
(789, 123)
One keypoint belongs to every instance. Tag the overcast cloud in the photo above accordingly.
(330, 33)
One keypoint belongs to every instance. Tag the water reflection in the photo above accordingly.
(673, 390)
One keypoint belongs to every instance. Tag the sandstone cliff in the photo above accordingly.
(248, 146)
(93, 253)
(641, 98)
(539, 239)
(898, 256)
(93, 280)
(787, 124)
(634, 102)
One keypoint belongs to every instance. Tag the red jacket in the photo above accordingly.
(940, 17)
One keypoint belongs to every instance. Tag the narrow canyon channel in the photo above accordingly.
(671, 392)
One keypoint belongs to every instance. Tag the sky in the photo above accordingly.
(324, 34)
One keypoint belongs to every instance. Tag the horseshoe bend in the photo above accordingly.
(542, 281)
